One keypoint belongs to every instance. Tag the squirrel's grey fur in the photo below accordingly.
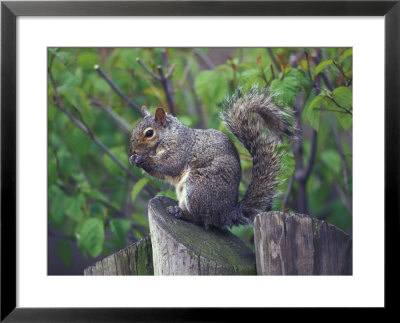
(204, 165)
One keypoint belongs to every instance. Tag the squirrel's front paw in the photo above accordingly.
(176, 211)
(136, 160)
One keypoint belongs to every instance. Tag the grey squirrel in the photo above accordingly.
(204, 165)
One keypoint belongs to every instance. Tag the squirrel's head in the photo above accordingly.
(147, 133)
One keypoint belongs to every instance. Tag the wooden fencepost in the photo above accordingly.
(296, 244)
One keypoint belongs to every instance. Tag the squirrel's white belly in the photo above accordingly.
(180, 188)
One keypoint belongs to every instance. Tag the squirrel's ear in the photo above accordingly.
(144, 111)
(161, 117)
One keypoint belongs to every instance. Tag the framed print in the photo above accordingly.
(66, 55)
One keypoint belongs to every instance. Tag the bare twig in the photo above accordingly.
(165, 80)
(272, 71)
(168, 93)
(271, 54)
(171, 70)
(154, 75)
(116, 89)
(121, 123)
(166, 65)
(204, 58)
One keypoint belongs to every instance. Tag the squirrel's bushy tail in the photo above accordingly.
(247, 117)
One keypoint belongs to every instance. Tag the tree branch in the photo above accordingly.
(148, 70)
(339, 67)
(303, 174)
(163, 79)
(168, 93)
(336, 138)
(116, 89)
(205, 59)
(121, 123)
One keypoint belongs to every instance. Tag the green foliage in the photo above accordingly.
(119, 227)
(92, 201)
(91, 236)
(138, 187)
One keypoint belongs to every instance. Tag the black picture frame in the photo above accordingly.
(10, 10)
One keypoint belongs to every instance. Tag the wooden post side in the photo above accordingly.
(133, 260)
(296, 244)
(183, 248)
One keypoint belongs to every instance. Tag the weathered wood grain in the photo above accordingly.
(133, 260)
(295, 244)
(183, 248)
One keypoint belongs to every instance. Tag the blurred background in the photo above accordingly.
(97, 202)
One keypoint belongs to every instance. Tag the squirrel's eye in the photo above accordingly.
(149, 133)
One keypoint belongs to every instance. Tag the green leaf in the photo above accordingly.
(140, 219)
(119, 227)
(52, 173)
(73, 79)
(73, 206)
(345, 120)
(121, 154)
(169, 193)
(251, 78)
(302, 78)
(211, 86)
(92, 236)
(57, 200)
(65, 57)
(74, 95)
(78, 142)
(88, 60)
(320, 67)
(332, 160)
(243, 232)
(313, 111)
(101, 85)
(286, 90)
(250, 74)
(137, 233)
(347, 53)
(64, 252)
(138, 187)
(186, 120)
(93, 193)
(51, 112)
(288, 164)
(344, 96)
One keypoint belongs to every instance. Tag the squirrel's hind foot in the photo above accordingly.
(177, 212)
